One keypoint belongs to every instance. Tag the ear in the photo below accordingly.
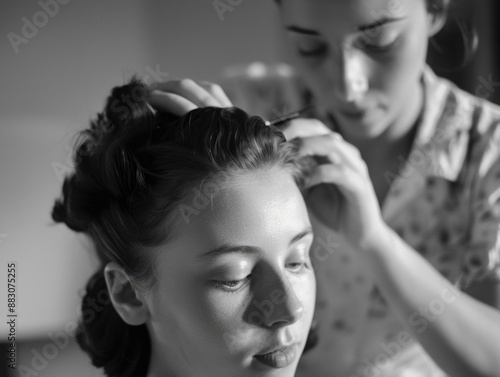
(126, 298)
(435, 22)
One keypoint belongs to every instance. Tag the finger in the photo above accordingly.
(332, 174)
(303, 127)
(331, 147)
(190, 90)
(217, 92)
(170, 103)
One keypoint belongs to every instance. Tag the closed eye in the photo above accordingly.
(378, 47)
(298, 267)
(317, 52)
(231, 285)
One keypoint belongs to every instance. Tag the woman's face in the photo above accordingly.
(236, 289)
(362, 59)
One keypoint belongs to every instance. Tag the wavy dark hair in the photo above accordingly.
(455, 45)
(133, 167)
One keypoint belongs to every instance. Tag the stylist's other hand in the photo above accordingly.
(339, 191)
(181, 96)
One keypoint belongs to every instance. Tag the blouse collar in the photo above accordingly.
(442, 136)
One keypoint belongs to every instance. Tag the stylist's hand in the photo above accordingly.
(339, 190)
(181, 96)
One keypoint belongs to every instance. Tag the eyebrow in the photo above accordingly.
(245, 249)
(378, 23)
(372, 25)
(298, 29)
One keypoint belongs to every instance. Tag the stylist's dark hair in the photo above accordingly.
(455, 45)
(133, 167)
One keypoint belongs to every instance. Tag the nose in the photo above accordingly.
(279, 305)
(351, 81)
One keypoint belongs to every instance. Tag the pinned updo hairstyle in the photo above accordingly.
(133, 167)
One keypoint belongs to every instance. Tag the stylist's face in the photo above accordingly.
(236, 289)
(361, 58)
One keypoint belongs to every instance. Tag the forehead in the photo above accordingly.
(254, 209)
(341, 14)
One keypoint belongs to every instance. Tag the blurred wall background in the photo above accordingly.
(58, 77)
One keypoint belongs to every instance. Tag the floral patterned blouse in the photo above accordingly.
(445, 203)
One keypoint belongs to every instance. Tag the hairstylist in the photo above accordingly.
(407, 186)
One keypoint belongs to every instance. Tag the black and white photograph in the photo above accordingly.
(250, 188)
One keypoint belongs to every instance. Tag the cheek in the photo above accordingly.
(317, 76)
(403, 71)
(219, 315)
(177, 307)
(306, 291)
(204, 324)
(399, 72)
(224, 309)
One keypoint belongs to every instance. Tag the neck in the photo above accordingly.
(160, 363)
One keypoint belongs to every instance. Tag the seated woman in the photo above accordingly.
(203, 239)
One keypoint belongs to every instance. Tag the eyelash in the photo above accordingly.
(312, 53)
(302, 266)
(376, 48)
(225, 285)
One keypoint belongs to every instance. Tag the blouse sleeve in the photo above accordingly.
(481, 260)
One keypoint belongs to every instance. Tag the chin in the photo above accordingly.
(362, 130)
(368, 126)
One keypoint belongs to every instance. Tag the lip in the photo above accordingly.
(354, 112)
(278, 356)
